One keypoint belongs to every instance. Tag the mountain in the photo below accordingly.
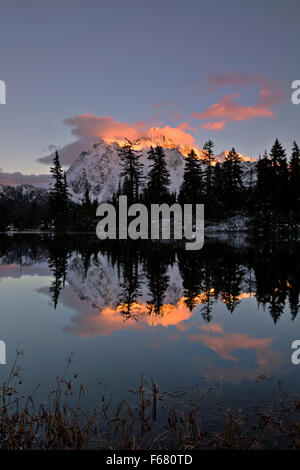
(101, 164)
(21, 206)
(100, 286)
(102, 167)
(26, 193)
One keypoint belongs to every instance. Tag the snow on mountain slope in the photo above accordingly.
(25, 192)
(100, 286)
(101, 165)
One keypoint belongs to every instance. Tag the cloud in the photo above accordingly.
(16, 178)
(227, 343)
(227, 109)
(271, 92)
(176, 134)
(69, 152)
(185, 126)
(89, 128)
(213, 125)
(88, 125)
(90, 319)
(212, 327)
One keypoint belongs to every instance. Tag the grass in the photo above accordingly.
(159, 420)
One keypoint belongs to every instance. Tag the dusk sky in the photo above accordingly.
(77, 70)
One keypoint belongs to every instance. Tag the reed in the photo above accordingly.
(160, 421)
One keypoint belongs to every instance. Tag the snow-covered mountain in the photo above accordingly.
(101, 164)
(99, 286)
(23, 192)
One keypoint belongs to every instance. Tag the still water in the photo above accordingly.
(219, 318)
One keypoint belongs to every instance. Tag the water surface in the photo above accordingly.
(217, 318)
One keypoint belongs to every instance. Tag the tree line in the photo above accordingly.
(268, 193)
(269, 272)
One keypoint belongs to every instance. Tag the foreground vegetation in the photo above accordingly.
(160, 421)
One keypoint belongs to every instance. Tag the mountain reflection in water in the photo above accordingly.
(225, 300)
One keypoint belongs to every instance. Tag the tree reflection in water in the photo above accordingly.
(220, 271)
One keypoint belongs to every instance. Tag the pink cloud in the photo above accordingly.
(185, 126)
(89, 128)
(227, 109)
(271, 92)
(213, 125)
(224, 345)
(212, 327)
(88, 125)
(177, 135)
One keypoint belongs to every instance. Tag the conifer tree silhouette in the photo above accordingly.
(157, 189)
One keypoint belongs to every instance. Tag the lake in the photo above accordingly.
(220, 319)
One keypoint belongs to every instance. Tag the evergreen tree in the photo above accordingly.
(157, 190)
(65, 192)
(278, 156)
(294, 177)
(208, 159)
(191, 191)
(57, 175)
(191, 271)
(132, 171)
(58, 263)
(218, 190)
(58, 195)
(232, 170)
(130, 285)
(280, 176)
(156, 267)
(264, 178)
(263, 217)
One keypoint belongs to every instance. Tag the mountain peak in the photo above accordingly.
(101, 165)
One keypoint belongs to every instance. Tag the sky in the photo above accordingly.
(197, 70)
